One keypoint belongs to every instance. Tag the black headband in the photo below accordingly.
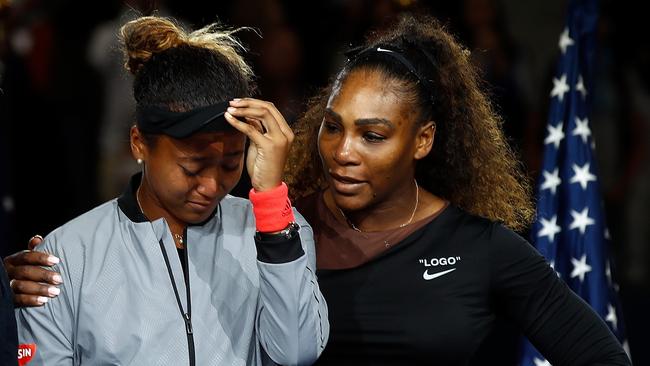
(398, 55)
(155, 120)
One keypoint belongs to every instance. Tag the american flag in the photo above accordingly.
(570, 230)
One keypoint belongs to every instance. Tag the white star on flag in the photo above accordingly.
(582, 129)
(611, 316)
(580, 86)
(560, 87)
(581, 220)
(549, 229)
(565, 40)
(570, 229)
(582, 175)
(555, 135)
(551, 180)
(580, 267)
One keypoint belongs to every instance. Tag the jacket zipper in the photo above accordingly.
(187, 316)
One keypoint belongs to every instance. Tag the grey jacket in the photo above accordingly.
(123, 300)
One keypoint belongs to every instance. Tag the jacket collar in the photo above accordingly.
(128, 202)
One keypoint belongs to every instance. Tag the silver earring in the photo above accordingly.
(139, 161)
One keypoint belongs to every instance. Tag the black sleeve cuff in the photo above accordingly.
(279, 250)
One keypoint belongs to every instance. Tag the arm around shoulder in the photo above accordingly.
(46, 333)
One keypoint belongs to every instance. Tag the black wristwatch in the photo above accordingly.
(287, 233)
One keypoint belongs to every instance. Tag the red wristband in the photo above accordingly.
(272, 209)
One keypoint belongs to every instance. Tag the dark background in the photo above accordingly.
(65, 103)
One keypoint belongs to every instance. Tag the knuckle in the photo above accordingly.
(41, 290)
(18, 286)
(20, 272)
(25, 301)
(19, 301)
(11, 260)
(36, 259)
(263, 113)
(30, 257)
(9, 267)
(21, 257)
(11, 272)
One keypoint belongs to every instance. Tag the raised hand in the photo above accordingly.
(270, 137)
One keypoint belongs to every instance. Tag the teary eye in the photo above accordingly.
(188, 172)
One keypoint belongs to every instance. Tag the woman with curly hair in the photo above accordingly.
(402, 168)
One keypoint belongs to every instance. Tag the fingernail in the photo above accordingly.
(53, 260)
(231, 109)
(53, 291)
(236, 99)
(57, 279)
(41, 299)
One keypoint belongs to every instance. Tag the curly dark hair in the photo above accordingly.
(471, 164)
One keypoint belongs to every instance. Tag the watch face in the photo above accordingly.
(288, 233)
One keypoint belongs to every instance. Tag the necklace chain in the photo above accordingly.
(417, 201)
(177, 237)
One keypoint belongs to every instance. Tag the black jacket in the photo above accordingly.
(8, 337)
